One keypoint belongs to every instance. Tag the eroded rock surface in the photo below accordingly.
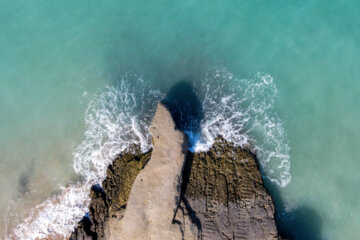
(226, 195)
(220, 194)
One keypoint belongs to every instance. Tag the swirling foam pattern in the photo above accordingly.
(242, 111)
(115, 120)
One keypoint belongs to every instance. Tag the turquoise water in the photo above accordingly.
(291, 69)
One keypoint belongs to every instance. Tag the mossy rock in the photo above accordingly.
(120, 177)
(225, 173)
(108, 199)
(222, 193)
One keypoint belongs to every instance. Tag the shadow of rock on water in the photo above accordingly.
(297, 224)
(25, 178)
(185, 109)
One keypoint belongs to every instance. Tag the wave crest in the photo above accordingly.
(242, 111)
(115, 120)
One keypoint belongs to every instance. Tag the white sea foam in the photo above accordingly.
(57, 216)
(115, 120)
(241, 110)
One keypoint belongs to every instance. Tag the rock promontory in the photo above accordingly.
(171, 193)
(155, 193)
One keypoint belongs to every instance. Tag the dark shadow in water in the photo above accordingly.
(297, 224)
(25, 178)
(185, 108)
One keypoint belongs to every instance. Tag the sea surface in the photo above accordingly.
(79, 83)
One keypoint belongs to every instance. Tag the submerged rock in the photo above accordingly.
(218, 195)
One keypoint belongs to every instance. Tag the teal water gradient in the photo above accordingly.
(53, 55)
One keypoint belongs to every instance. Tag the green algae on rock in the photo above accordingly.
(108, 200)
(224, 194)
(224, 173)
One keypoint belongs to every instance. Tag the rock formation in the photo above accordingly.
(225, 195)
(155, 193)
(219, 194)
(109, 201)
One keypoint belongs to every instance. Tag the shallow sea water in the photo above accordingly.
(282, 77)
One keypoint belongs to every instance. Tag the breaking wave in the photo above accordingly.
(241, 110)
(115, 120)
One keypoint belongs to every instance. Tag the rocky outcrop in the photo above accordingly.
(225, 196)
(155, 194)
(110, 199)
(219, 195)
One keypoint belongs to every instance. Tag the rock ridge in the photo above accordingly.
(155, 193)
